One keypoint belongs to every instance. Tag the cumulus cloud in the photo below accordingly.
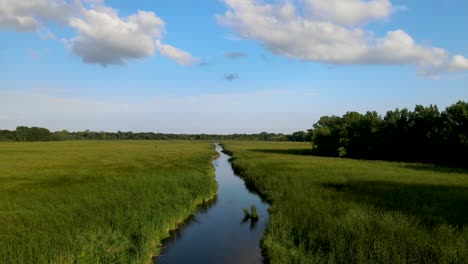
(106, 38)
(331, 31)
(103, 37)
(348, 12)
(458, 63)
(235, 55)
(29, 15)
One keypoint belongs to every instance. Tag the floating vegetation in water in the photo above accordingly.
(252, 215)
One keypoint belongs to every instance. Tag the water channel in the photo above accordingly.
(218, 232)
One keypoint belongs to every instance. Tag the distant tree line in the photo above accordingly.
(31, 134)
(422, 135)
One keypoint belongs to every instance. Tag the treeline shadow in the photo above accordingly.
(437, 168)
(432, 204)
(415, 166)
(302, 152)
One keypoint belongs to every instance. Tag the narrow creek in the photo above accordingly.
(218, 232)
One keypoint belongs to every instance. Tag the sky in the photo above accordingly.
(225, 66)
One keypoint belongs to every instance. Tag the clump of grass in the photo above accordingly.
(331, 210)
(252, 215)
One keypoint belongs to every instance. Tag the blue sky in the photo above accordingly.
(67, 64)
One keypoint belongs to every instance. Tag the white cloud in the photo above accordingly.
(28, 15)
(103, 37)
(459, 63)
(327, 32)
(20, 23)
(180, 56)
(348, 12)
(106, 38)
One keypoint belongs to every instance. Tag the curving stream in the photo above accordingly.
(218, 233)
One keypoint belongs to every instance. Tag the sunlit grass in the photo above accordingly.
(97, 202)
(331, 210)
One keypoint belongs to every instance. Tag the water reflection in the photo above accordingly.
(252, 223)
(176, 234)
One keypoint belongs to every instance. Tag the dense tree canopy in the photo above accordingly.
(424, 135)
(28, 134)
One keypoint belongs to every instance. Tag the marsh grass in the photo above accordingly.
(95, 201)
(252, 215)
(331, 210)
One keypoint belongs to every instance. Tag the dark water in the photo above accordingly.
(217, 233)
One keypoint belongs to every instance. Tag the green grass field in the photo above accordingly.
(330, 210)
(97, 201)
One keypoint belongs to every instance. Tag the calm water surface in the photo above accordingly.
(217, 232)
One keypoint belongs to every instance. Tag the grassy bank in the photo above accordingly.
(97, 202)
(330, 210)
